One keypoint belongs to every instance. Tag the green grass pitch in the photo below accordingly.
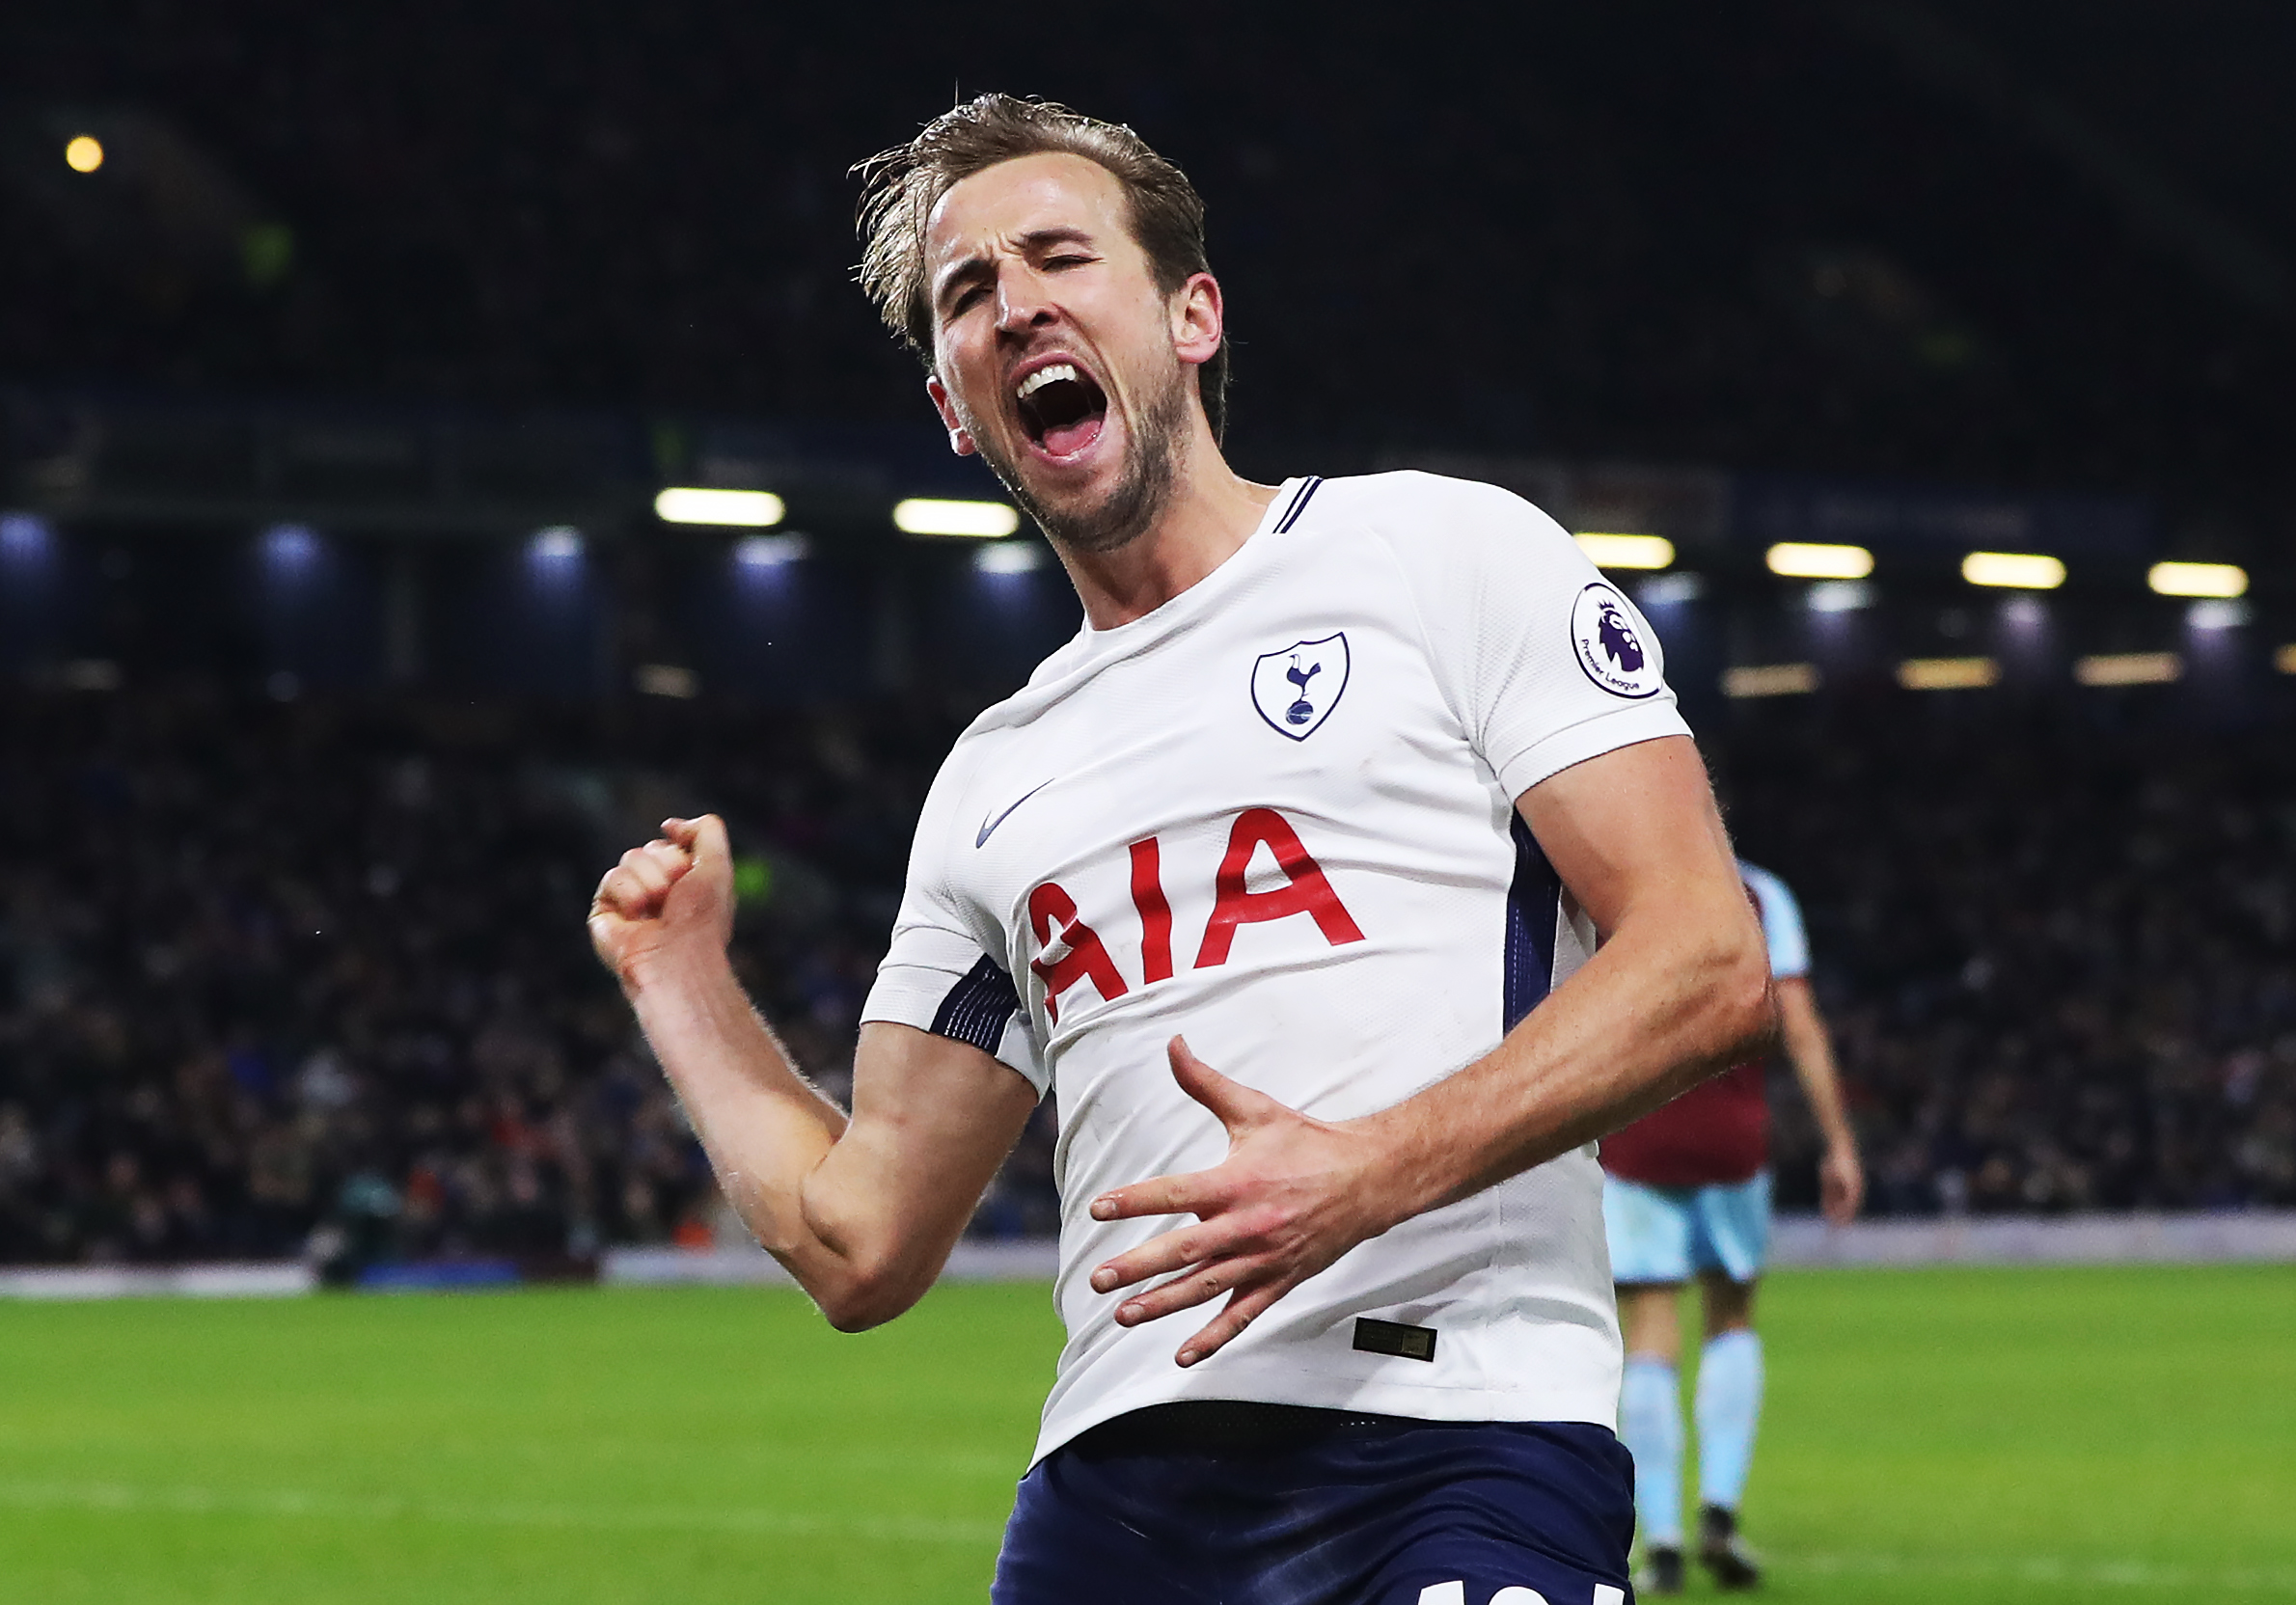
(1939, 1436)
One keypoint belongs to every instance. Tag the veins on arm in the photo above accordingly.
(933, 1119)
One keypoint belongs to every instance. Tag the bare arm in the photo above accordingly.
(862, 1210)
(1678, 990)
(1840, 1178)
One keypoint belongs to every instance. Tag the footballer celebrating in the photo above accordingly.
(1346, 876)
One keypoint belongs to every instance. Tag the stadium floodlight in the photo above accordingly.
(1948, 673)
(2225, 580)
(1770, 680)
(925, 515)
(1670, 590)
(2215, 612)
(1009, 557)
(2129, 668)
(2025, 614)
(1606, 551)
(667, 680)
(1796, 560)
(289, 548)
(1840, 596)
(561, 543)
(2284, 660)
(770, 550)
(740, 510)
(25, 538)
(83, 153)
(2013, 570)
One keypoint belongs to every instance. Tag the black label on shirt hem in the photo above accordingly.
(1393, 1337)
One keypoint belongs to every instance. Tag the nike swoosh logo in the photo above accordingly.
(988, 826)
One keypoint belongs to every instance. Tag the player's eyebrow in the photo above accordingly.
(970, 269)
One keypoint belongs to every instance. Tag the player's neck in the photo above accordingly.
(1213, 513)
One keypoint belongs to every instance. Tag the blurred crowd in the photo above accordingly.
(2060, 952)
(311, 978)
(286, 979)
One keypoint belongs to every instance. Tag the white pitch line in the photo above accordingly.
(125, 1499)
(2043, 1568)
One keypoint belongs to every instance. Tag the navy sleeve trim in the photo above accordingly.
(1533, 902)
(979, 1007)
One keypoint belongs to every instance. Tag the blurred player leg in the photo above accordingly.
(1651, 1426)
(1650, 1232)
(1731, 1241)
(1729, 1409)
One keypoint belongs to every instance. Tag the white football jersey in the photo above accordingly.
(1277, 815)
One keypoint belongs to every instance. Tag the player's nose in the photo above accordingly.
(1022, 304)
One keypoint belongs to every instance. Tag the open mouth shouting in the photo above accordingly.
(1063, 409)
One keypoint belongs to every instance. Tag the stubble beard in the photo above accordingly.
(1142, 493)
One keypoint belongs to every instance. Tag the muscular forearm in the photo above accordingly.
(862, 1210)
(1667, 1000)
(765, 1129)
(1679, 990)
(1661, 1007)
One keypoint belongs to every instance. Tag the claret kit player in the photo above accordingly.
(1347, 875)
(1687, 1192)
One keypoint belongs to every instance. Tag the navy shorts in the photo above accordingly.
(1269, 1505)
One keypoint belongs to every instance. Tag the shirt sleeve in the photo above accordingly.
(938, 973)
(1781, 925)
(1547, 663)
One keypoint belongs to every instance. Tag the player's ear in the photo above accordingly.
(960, 439)
(1198, 319)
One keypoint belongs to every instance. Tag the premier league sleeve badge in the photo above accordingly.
(1612, 643)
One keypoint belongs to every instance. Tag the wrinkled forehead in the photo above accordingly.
(996, 208)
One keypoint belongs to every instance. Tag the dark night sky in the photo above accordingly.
(1763, 238)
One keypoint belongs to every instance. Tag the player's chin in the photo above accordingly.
(1073, 490)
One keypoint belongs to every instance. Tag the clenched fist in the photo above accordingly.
(670, 900)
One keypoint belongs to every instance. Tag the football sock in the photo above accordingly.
(1651, 1422)
(1728, 1407)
